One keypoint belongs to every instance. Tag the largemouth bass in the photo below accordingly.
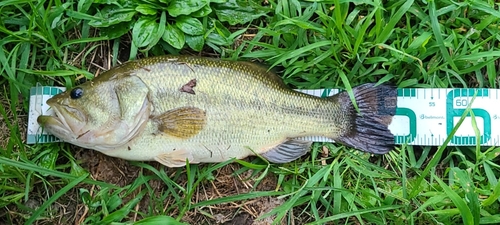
(178, 109)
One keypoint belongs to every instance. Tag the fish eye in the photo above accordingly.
(76, 93)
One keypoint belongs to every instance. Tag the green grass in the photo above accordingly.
(313, 44)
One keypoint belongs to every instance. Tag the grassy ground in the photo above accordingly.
(334, 44)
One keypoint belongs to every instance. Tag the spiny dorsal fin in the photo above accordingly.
(184, 122)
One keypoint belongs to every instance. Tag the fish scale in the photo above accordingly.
(232, 95)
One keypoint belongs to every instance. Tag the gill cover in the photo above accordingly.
(101, 114)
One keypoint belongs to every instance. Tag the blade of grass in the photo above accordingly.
(355, 213)
(494, 197)
(396, 18)
(54, 197)
(471, 196)
(239, 197)
(36, 168)
(436, 29)
(293, 55)
(461, 205)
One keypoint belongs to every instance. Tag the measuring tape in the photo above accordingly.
(424, 116)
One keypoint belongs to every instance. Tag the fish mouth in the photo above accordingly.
(55, 126)
(60, 125)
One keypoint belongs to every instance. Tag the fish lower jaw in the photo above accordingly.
(56, 127)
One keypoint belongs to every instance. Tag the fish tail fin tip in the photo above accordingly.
(368, 130)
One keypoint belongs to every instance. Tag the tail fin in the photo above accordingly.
(369, 132)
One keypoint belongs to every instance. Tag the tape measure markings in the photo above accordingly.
(439, 114)
(38, 97)
(424, 116)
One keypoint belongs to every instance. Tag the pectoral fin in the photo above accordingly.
(175, 158)
(287, 151)
(184, 122)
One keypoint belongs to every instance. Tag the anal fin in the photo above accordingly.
(175, 158)
(287, 151)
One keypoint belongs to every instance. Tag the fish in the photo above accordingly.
(179, 110)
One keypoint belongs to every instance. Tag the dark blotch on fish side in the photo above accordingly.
(188, 88)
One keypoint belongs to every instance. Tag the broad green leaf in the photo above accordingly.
(220, 28)
(190, 25)
(159, 30)
(77, 170)
(174, 37)
(111, 15)
(195, 42)
(145, 9)
(48, 160)
(239, 11)
(116, 30)
(218, 40)
(144, 31)
(84, 5)
(202, 12)
(219, 35)
(185, 7)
